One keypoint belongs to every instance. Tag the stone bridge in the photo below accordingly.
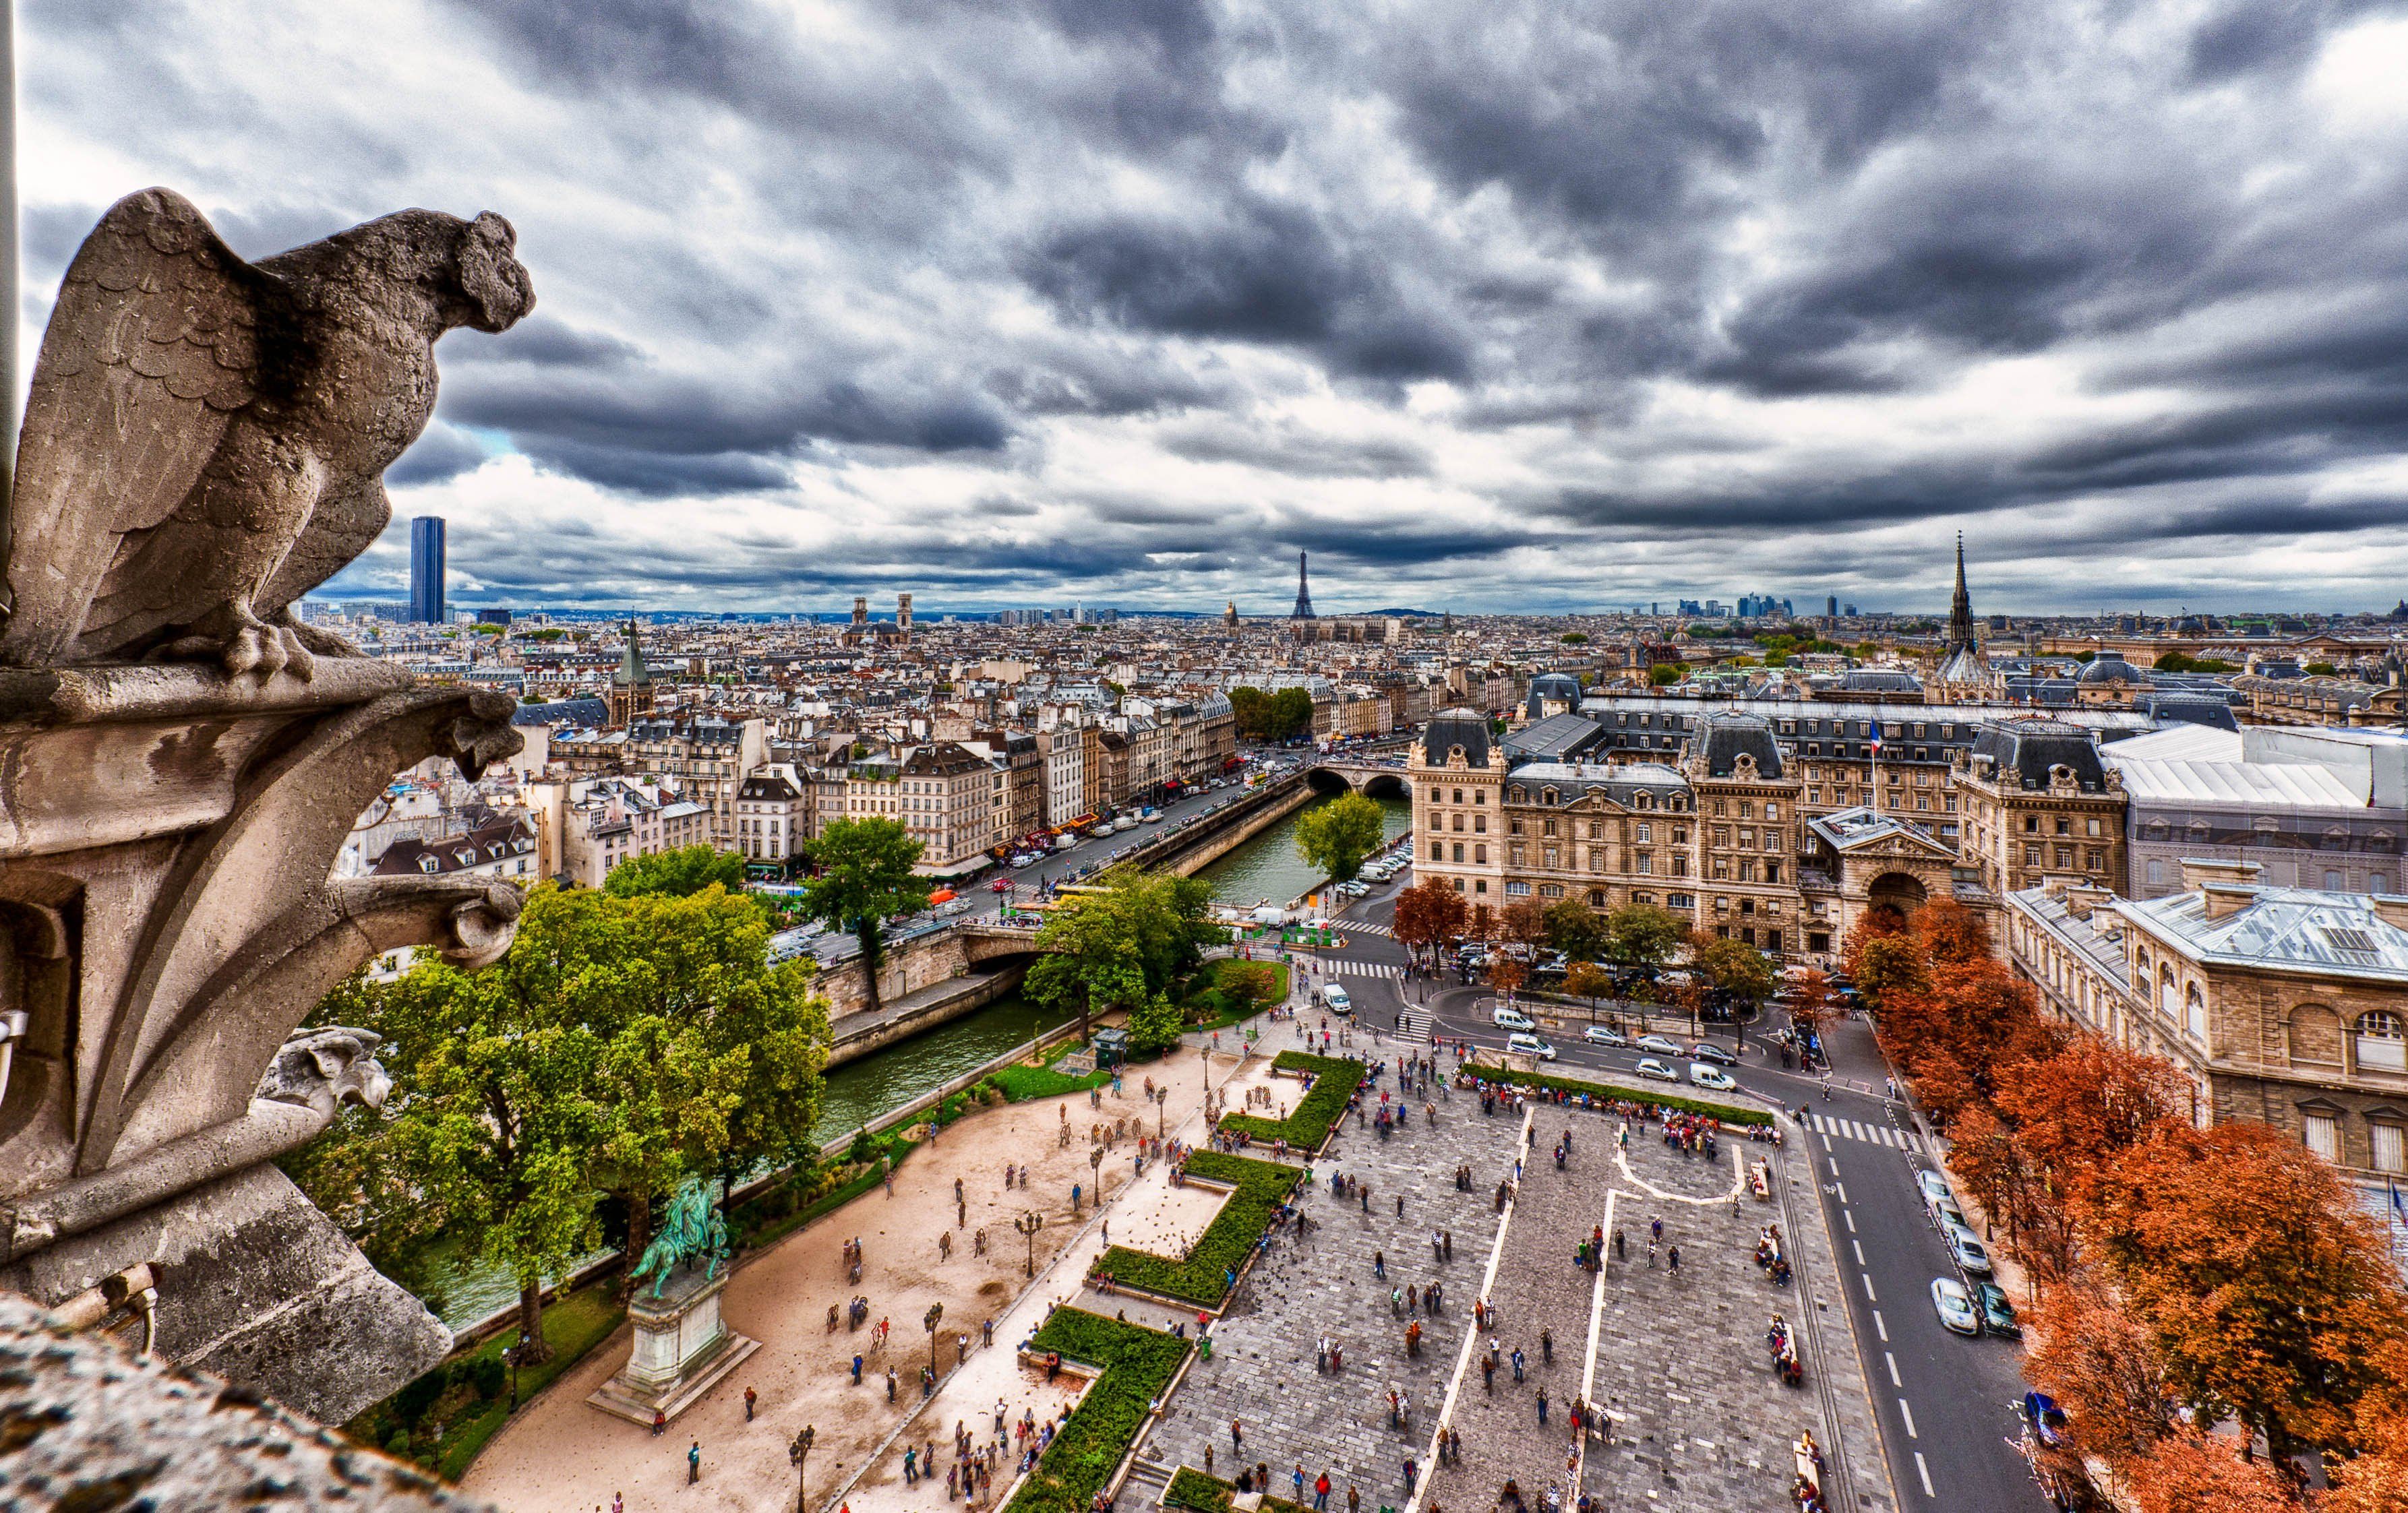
(1380, 778)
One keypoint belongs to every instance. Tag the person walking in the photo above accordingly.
(1547, 1346)
(693, 1464)
(1542, 1407)
(1321, 1492)
(1672, 1261)
(1237, 1435)
(1517, 1363)
(750, 1398)
(1354, 1498)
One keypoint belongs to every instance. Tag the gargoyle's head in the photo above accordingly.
(498, 290)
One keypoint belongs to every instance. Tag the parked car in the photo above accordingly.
(1967, 1251)
(1506, 1019)
(1944, 1214)
(1599, 1035)
(1706, 1050)
(1954, 1305)
(1712, 1077)
(1932, 1183)
(1660, 1046)
(1658, 1070)
(1529, 1044)
(1997, 1314)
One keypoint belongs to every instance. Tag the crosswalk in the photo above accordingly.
(1358, 927)
(1848, 1129)
(1364, 970)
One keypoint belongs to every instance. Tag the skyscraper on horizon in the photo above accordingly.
(1303, 592)
(426, 570)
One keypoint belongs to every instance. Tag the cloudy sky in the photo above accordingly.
(1488, 303)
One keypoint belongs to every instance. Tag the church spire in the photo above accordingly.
(1960, 608)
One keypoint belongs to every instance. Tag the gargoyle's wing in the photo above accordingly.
(350, 517)
(151, 349)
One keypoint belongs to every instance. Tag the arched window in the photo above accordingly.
(2195, 1013)
(2314, 1035)
(2169, 996)
(1518, 795)
(1479, 854)
(1596, 898)
(2141, 975)
(2382, 1042)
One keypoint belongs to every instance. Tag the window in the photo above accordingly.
(2332, 880)
(1818, 941)
(1479, 855)
(1438, 851)
(1479, 824)
(1681, 901)
(2390, 1144)
(2157, 871)
(1458, 850)
(2323, 1134)
(1646, 834)
(2381, 1043)
(1772, 940)
(1518, 889)
(1552, 889)
(2195, 1013)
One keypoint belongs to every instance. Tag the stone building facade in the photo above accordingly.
(2283, 1006)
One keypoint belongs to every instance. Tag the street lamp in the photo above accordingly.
(1095, 1165)
(510, 1354)
(798, 1455)
(935, 1313)
(1028, 1224)
(1161, 1110)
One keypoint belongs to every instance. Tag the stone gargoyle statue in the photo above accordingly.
(181, 759)
(236, 418)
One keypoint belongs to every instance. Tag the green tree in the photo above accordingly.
(676, 873)
(1124, 945)
(1249, 986)
(1664, 674)
(1576, 930)
(1643, 936)
(1575, 638)
(1738, 970)
(1154, 1024)
(865, 876)
(1339, 836)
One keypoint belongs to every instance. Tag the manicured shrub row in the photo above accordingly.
(1193, 1489)
(1022, 1083)
(1335, 1080)
(1137, 1365)
(1677, 1104)
(1259, 1187)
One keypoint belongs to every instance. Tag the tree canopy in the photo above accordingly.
(1271, 716)
(676, 874)
(1339, 836)
(1124, 944)
(1643, 936)
(1431, 915)
(621, 1044)
(864, 874)
(1576, 929)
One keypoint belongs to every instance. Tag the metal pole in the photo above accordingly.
(8, 411)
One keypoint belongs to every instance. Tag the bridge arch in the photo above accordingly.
(1379, 782)
(1325, 780)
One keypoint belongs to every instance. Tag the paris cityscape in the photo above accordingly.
(1202, 755)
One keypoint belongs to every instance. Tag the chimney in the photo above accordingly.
(2083, 899)
(2222, 900)
(2201, 871)
(2391, 909)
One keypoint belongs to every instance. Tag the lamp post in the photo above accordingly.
(1095, 1165)
(798, 1455)
(1028, 1224)
(1161, 1110)
(510, 1354)
(936, 1314)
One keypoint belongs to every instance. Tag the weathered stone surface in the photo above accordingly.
(83, 1424)
(181, 762)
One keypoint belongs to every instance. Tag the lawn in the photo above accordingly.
(1138, 1364)
(1206, 1008)
(1022, 1083)
(1258, 1188)
(1335, 1080)
(1192, 1489)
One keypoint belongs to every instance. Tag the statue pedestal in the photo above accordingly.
(682, 1350)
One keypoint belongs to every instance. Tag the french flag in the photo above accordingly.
(1876, 740)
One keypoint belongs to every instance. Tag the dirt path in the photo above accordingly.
(562, 1456)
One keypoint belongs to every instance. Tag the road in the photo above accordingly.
(1945, 1402)
(1088, 856)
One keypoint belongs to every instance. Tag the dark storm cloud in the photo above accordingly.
(1077, 296)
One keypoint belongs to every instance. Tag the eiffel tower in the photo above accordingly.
(1303, 594)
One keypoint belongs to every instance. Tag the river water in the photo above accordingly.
(1268, 868)
(859, 1092)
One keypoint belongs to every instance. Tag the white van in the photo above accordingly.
(1332, 997)
(1506, 1019)
(1529, 1044)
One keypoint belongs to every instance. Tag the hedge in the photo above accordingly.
(1725, 1112)
(1258, 1188)
(1022, 1083)
(1335, 1080)
(1193, 1489)
(1138, 1364)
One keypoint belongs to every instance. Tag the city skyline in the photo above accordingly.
(1502, 309)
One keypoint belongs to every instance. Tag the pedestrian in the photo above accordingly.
(749, 1397)
(1411, 1473)
(660, 1421)
(1674, 1260)
(1542, 1407)
(1237, 1435)
(1321, 1492)
(989, 1328)
(1400, 1205)
(1380, 1266)
(1298, 1481)
(856, 1371)
(1547, 1346)
(1656, 1229)
(911, 1465)
(1517, 1363)
(961, 1349)
(1489, 1372)
(1354, 1498)
(693, 1464)
(890, 1384)
(1621, 1252)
